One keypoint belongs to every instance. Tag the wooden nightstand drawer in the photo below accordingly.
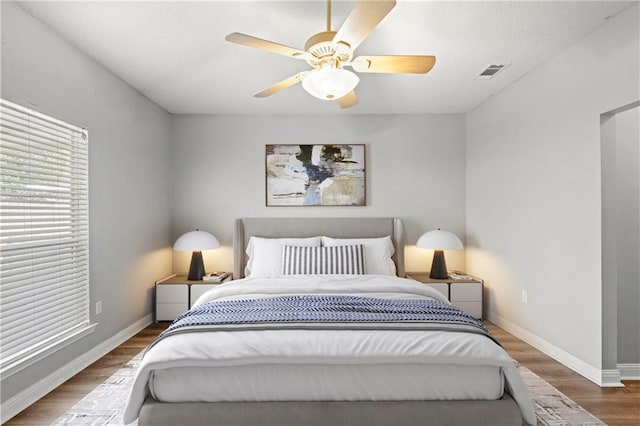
(467, 292)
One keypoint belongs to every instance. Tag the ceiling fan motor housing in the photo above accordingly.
(321, 46)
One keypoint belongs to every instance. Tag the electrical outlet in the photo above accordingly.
(524, 296)
(99, 307)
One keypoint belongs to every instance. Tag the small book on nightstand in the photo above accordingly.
(215, 277)
(459, 276)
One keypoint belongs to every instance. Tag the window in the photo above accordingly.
(44, 236)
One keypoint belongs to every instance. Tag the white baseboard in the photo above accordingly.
(19, 402)
(610, 379)
(629, 371)
(602, 378)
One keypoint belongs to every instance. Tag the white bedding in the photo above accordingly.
(345, 365)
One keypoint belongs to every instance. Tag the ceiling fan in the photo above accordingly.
(328, 52)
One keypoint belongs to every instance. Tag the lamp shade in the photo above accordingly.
(195, 241)
(329, 83)
(439, 240)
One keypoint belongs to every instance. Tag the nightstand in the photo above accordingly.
(176, 295)
(466, 294)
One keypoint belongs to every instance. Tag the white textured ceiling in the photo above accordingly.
(175, 53)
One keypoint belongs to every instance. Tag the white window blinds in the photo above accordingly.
(44, 234)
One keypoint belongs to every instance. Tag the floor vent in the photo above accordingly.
(490, 71)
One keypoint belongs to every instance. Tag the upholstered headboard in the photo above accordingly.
(347, 227)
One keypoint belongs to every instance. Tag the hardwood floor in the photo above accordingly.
(57, 402)
(614, 406)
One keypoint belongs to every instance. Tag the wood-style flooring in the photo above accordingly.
(614, 406)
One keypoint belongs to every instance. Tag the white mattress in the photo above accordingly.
(340, 376)
(338, 382)
(321, 365)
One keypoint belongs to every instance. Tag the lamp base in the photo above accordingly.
(439, 266)
(196, 269)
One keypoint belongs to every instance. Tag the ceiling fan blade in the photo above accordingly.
(364, 17)
(287, 82)
(348, 100)
(409, 64)
(270, 46)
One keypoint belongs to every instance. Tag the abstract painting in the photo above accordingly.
(315, 175)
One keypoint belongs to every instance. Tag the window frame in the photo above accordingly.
(45, 186)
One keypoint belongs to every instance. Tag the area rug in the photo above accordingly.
(105, 404)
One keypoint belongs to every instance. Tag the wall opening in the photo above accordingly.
(620, 156)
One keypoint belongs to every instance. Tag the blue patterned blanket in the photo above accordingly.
(323, 308)
(318, 311)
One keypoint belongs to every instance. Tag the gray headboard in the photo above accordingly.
(347, 227)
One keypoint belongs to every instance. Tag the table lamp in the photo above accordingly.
(196, 241)
(439, 240)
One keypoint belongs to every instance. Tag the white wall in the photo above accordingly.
(129, 202)
(415, 169)
(533, 192)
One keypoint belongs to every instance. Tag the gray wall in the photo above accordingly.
(129, 148)
(530, 191)
(415, 170)
(533, 191)
(628, 234)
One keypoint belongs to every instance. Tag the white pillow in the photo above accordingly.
(377, 252)
(265, 254)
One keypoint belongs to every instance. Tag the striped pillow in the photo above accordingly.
(298, 260)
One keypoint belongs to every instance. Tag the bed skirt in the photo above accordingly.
(499, 412)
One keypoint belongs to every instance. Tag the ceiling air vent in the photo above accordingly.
(490, 71)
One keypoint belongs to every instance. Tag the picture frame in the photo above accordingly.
(315, 175)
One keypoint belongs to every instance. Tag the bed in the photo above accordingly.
(325, 330)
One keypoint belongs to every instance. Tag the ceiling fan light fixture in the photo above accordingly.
(329, 83)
